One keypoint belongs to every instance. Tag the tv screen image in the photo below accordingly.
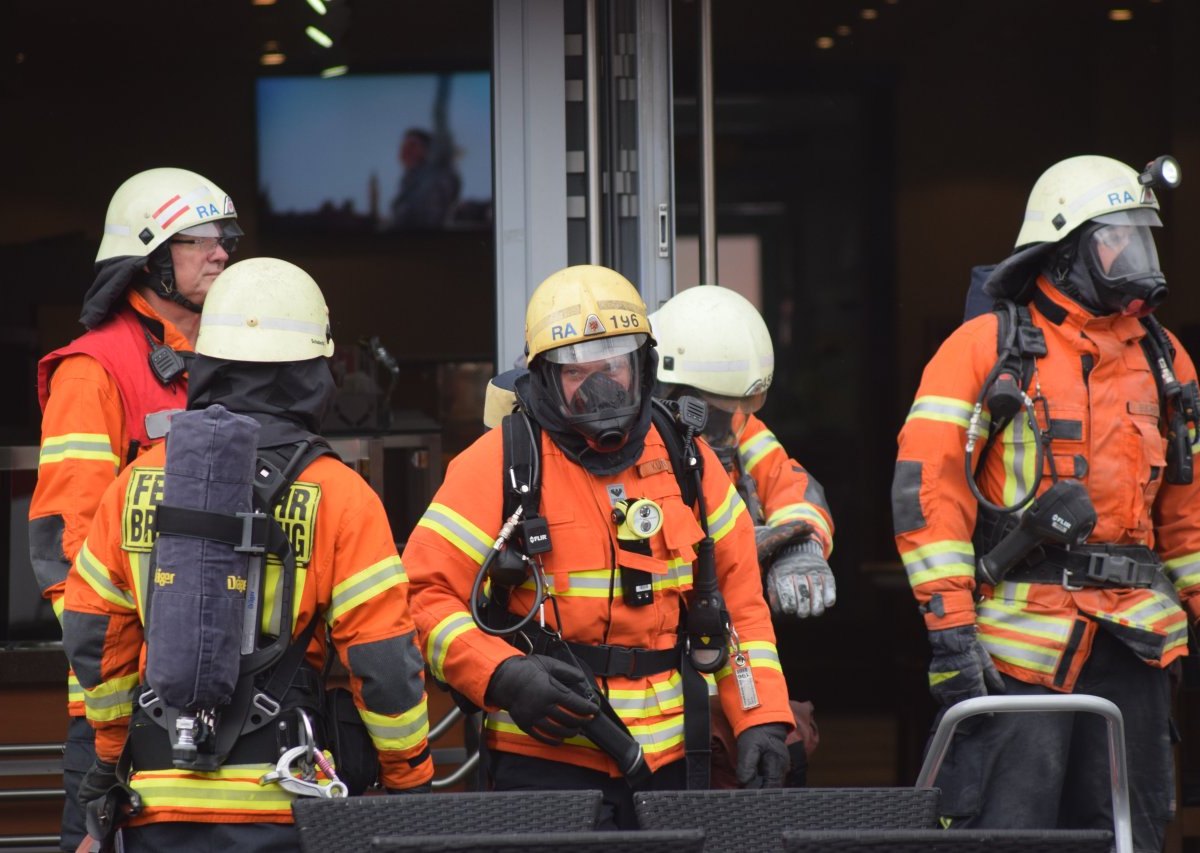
(375, 153)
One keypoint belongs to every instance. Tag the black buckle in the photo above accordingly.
(254, 533)
(621, 661)
(1108, 568)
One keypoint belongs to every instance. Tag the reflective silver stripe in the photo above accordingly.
(398, 730)
(947, 410)
(284, 324)
(372, 577)
(1019, 653)
(1050, 628)
(938, 560)
(468, 537)
(725, 516)
(1183, 571)
(442, 636)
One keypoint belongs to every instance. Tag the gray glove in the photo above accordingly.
(960, 668)
(763, 758)
(799, 582)
(544, 696)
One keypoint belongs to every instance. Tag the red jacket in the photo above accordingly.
(95, 394)
(448, 547)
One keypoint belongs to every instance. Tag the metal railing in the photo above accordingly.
(1068, 703)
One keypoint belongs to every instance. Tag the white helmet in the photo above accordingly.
(1084, 188)
(157, 204)
(714, 340)
(264, 310)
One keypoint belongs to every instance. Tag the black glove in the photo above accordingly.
(544, 696)
(101, 776)
(800, 582)
(763, 757)
(960, 668)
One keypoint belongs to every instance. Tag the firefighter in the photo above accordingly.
(712, 342)
(617, 603)
(1069, 416)
(262, 352)
(107, 395)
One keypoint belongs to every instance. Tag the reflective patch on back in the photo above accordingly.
(143, 494)
(297, 515)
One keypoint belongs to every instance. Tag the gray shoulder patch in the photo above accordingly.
(83, 641)
(50, 564)
(906, 497)
(814, 492)
(390, 671)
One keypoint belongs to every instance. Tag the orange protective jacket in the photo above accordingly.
(451, 540)
(86, 440)
(1107, 432)
(786, 491)
(348, 575)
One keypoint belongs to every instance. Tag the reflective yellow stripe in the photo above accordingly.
(653, 701)
(753, 449)
(365, 585)
(948, 558)
(456, 530)
(399, 731)
(762, 654)
(440, 638)
(801, 512)
(233, 787)
(660, 736)
(1183, 571)
(936, 678)
(1018, 653)
(1020, 454)
(722, 519)
(74, 689)
(88, 446)
(946, 410)
(100, 580)
(112, 699)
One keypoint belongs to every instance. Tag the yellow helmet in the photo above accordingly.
(580, 304)
(588, 341)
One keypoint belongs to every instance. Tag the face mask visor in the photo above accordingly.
(1123, 262)
(598, 385)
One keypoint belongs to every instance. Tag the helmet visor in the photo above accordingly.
(601, 388)
(594, 350)
(1121, 253)
(748, 404)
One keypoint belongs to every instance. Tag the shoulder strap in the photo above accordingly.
(1018, 344)
(668, 427)
(522, 440)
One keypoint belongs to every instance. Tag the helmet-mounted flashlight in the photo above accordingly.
(1162, 172)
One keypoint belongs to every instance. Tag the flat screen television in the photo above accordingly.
(374, 153)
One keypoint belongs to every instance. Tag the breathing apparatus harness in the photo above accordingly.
(1042, 538)
(271, 679)
(516, 556)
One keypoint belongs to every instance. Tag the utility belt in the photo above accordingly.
(150, 744)
(607, 661)
(1112, 566)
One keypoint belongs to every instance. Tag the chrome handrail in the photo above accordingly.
(1070, 702)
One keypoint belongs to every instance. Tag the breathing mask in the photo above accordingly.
(598, 387)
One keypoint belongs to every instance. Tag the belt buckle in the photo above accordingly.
(622, 661)
(1066, 581)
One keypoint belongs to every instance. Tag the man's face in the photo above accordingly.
(197, 265)
(412, 151)
(617, 369)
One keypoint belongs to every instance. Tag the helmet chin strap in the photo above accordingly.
(162, 275)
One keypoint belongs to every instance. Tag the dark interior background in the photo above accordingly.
(875, 173)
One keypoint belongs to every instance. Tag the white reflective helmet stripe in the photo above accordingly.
(114, 228)
(765, 362)
(282, 324)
